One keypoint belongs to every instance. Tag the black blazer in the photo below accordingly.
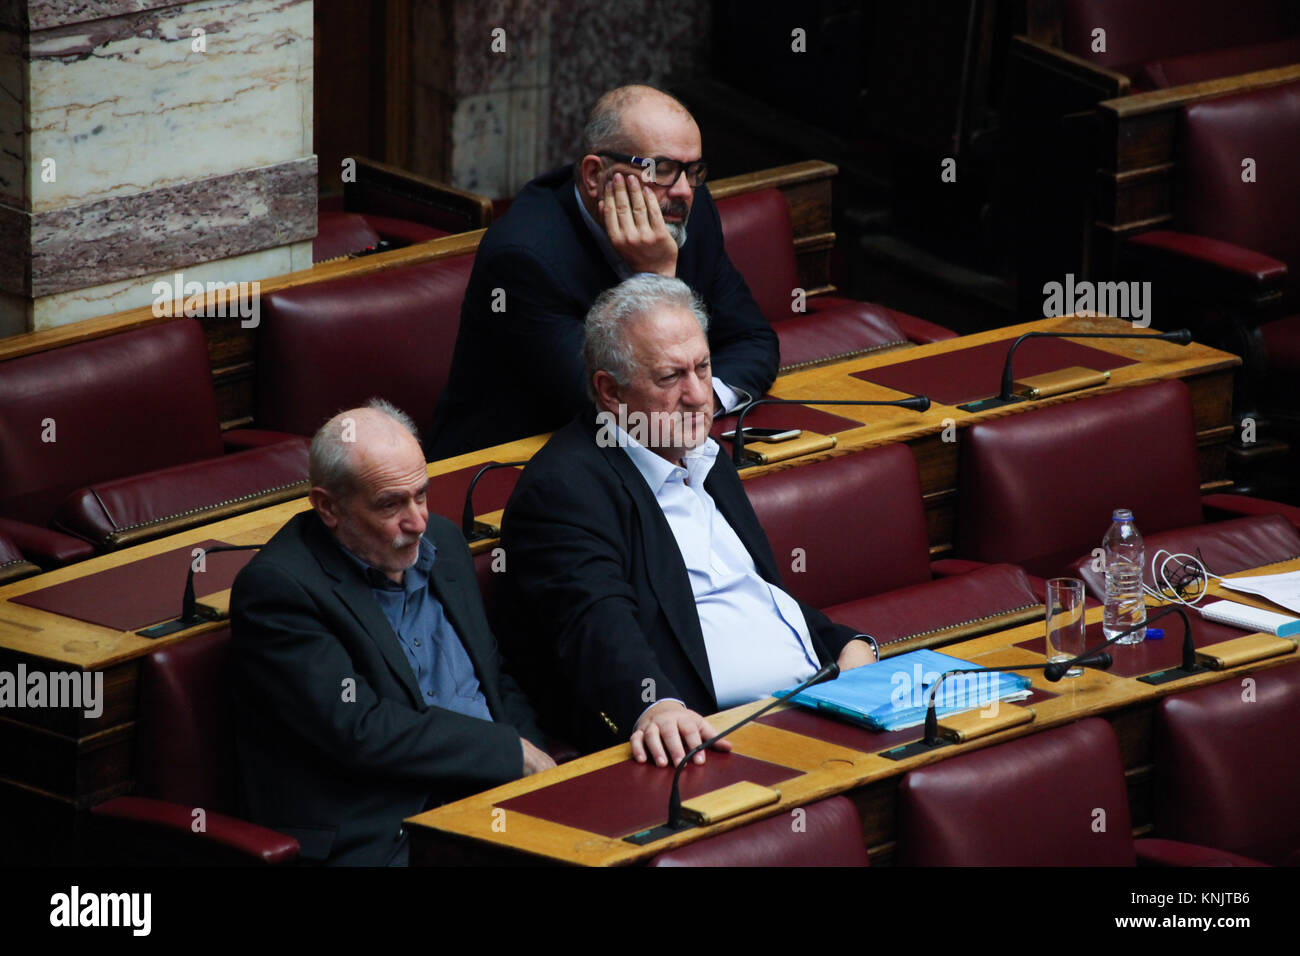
(336, 745)
(598, 579)
(517, 368)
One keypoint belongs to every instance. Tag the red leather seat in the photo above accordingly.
(341, 234)
(827, 833)
(1055, 798)
(1226, 769)
(849, 536)
(12, 563)
(1037, 489)
(118, 438)
(759, 237)
(185, 761)
(328, 346)
(1143, 37)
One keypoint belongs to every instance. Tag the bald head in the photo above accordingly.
(617, 120)
(344, 445)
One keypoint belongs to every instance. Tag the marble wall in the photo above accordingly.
(138, 137)
(489, 120)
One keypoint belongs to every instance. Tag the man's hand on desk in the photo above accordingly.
(636, 228)
(668, 730)
(854, 654)
(535, 760)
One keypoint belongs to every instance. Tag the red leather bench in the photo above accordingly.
(328, 346)
(1038, 489)
(1163, 43)
(1033, 802)
(759, 238)
(185, 759)
(110, 441)
(12, 563)
(850, 538)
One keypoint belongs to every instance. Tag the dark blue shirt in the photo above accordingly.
(441, 665)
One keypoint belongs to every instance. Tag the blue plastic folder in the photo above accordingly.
(892, 694)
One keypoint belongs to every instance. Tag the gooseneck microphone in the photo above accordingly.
(191, 613)
(826, 672)
(1006, 396)
(918, 403)
(478, 530)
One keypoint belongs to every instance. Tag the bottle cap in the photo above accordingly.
(1155, 633)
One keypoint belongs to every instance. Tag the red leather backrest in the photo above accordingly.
(185, 738)
(1226, 769)
(847, 527)
(827, 833)
(760, 243)
(333, 345)
(1030, 802)
(1142, 30)
(340, 234)
(1225, 547)
(1038, 489)
(1217, 136)
(116, 406)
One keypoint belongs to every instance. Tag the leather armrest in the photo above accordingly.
(49, 549)
(1219, 506)
(1198, 261)
(242, 439)
(257, 843)
(1153, 852)
(915, 329)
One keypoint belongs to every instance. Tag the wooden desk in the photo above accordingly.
(54, 765)
(477, 828)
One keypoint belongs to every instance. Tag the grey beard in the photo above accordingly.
(678, 231)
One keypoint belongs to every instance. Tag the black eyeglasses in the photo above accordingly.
(664, 172)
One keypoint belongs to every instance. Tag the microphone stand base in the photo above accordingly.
(914, 749)
(202, 613)
(984, 404)
(1171, 674)
(661, 832)
(482, 531)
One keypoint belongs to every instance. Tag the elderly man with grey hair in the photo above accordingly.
(634, 555)
(368, 684)
(633, 203)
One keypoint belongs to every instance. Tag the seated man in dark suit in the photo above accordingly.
(636, 556)
(632, 204)
(368, 685)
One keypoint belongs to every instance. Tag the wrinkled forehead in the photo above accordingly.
(668, 336)
(661, 129)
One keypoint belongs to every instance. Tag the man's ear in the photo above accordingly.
(608, 391)
(590, 169)
(326, 505)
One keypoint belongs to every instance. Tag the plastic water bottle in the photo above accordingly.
(1125, 558)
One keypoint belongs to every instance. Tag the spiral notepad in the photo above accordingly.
(1251, 618)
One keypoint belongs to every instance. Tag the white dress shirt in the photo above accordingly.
(755, 634)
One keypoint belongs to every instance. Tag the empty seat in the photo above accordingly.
(1226, 769)
(849, 535)
(827, 833)
(328, 346)
(1038, 489)
(185, 759)
(759, 239)
(1055, 798)
(113, 440)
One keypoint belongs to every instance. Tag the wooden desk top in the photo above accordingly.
(75, 643)
(827, 769)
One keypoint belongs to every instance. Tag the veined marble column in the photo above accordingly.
(139, 139)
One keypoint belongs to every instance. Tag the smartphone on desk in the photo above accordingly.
(765, 434)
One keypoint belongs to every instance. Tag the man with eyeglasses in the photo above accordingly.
(633, 204)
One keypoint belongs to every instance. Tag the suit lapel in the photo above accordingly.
(724, 486)
(667, 571)
(355, 594)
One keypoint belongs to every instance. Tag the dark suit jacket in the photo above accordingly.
(338, 765)
(594, 569)
(517, 370)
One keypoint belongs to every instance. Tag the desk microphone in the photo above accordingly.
(479, 530)
(191, 611)
(1005, 396)
(675, 822)
(917, 402)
